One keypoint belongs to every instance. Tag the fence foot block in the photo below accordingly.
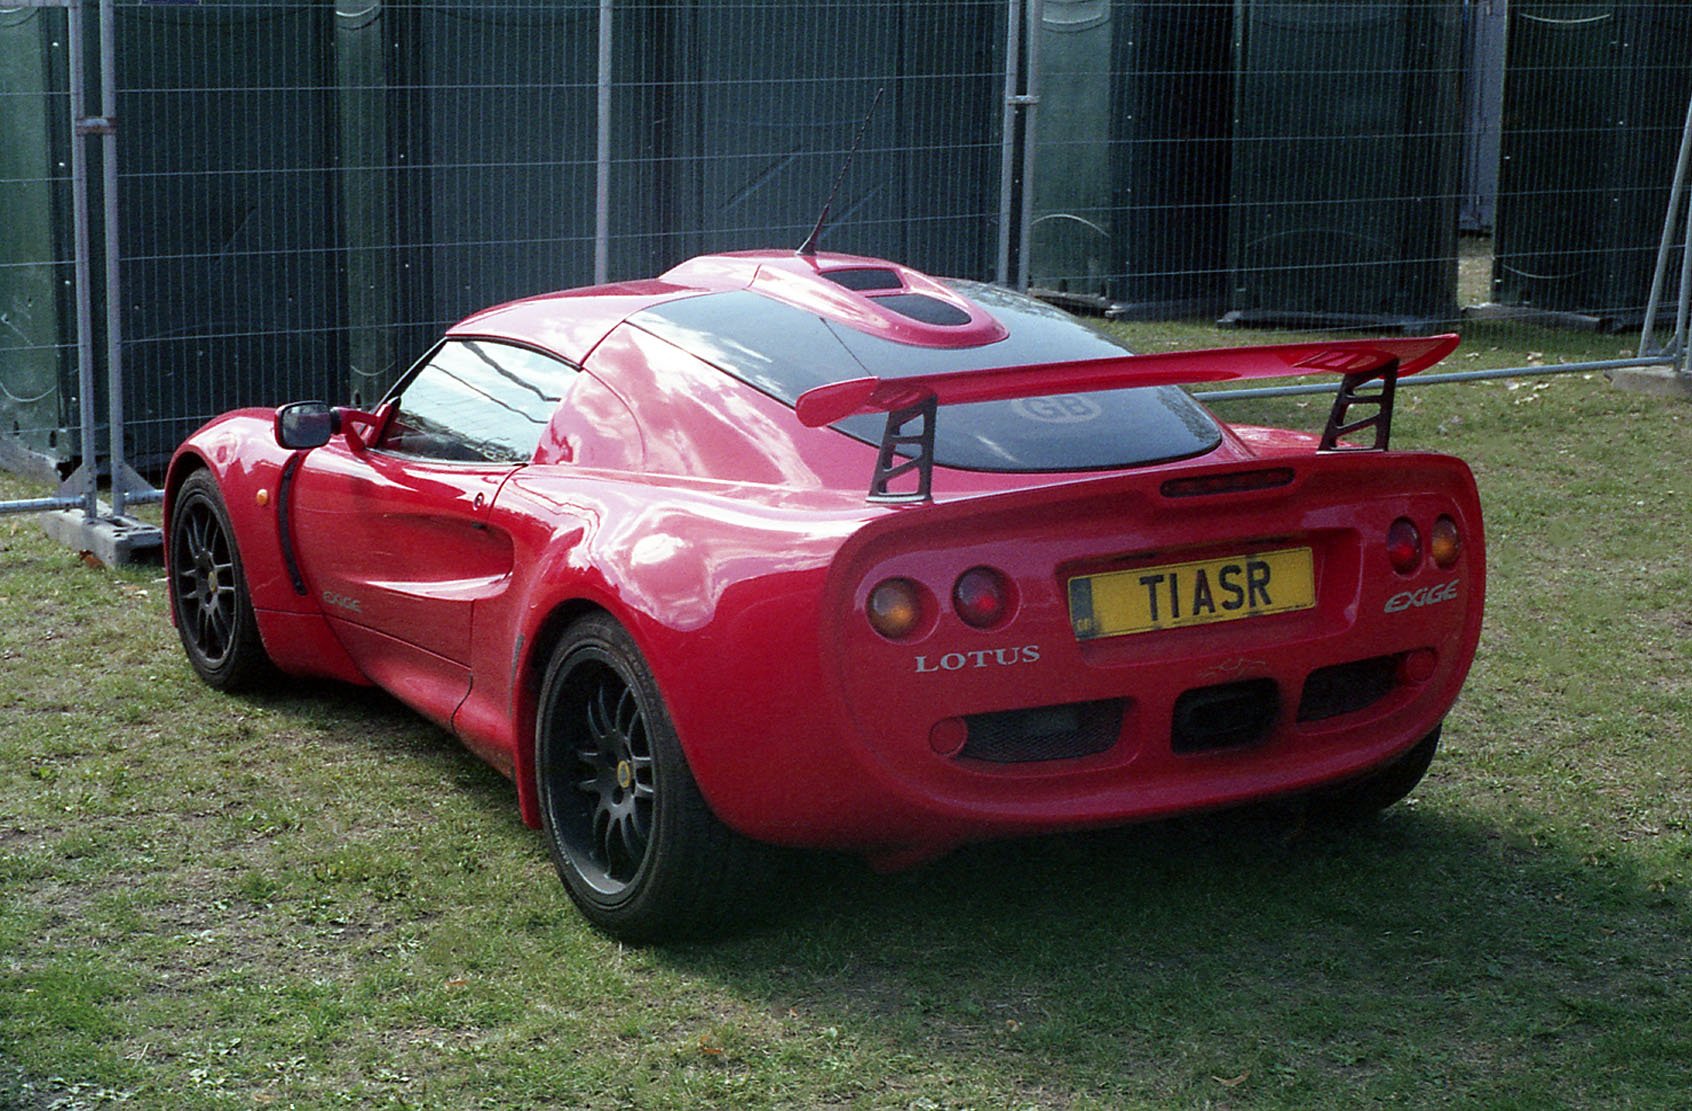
(1657, 381)
(111, 540)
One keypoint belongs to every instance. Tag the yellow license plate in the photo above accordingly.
(1175, 595)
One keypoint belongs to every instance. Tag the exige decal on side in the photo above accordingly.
(342, 601)
(1424, 596)
(983, 657)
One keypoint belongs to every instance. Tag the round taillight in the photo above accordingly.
(1404, 546)
(982, 597)
(1445, 542)
(895, 608)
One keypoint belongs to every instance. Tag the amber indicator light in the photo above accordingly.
(895, 608)
(1445, 543)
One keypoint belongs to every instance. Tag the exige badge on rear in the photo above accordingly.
(1425, 596)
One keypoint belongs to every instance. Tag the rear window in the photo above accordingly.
(783, 351)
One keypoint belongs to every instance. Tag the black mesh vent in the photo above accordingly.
(1044, 733)
(865, 277)
(922, 307)
(1232, 715)
(1347, 688)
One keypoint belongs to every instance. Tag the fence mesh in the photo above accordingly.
(308, 192)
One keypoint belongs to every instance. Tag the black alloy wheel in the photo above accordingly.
(214, 613)
(612, 826)
(634, 841)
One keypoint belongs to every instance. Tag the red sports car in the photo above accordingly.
(816, 550)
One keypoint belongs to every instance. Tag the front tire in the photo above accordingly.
(633, 840)
(208, 589)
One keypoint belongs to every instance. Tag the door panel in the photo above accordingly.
(400, 545)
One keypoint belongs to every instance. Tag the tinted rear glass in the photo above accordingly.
(784, 351)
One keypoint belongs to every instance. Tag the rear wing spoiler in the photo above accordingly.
(1362, 362)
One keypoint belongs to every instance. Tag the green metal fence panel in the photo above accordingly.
(1173, 147)
(760, 101)
(231, 290)
(467, 174)
(1345, 161)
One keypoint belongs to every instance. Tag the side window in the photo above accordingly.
(477, 401)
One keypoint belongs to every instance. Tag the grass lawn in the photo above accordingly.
(313, 898)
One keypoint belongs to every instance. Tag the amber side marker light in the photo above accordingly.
(895, 608)
(1445, 543)
(1404, 546)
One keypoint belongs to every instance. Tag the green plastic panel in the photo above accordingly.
(1594, 99)
(1345, 161)
(37, 328)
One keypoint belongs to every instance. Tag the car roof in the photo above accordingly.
(869, 295)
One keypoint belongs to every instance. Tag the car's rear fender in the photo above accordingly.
(719, 586)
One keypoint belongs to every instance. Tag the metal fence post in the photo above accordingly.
(1647, 338)
(1007, 138)
(88, 473)
(1035, 11)
(602, 174)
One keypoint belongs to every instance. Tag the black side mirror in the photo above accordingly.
(306, 424)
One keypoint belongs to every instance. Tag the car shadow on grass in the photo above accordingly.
(1429, 951)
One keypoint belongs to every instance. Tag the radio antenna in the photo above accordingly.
(809, 247)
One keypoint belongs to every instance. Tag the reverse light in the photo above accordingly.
(982, 597)
(1404, 546)
(1419, 665)
(895, 608)
(1445, 542)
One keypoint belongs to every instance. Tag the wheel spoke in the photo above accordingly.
(628, 712)
(599, 718)
(640, 823)
(199, 531)
(205, 634)
(220, 628)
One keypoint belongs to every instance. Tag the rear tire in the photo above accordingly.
(1368, 795)
(208, 589)
(633, 840)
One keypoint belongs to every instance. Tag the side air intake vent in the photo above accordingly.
(1044, 733)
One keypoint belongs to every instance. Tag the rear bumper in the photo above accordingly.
(962, 734)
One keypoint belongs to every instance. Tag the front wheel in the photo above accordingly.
(208, 589)
(637, 847)
(1369, 794)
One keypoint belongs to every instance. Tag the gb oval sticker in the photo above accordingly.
(1066, 408)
